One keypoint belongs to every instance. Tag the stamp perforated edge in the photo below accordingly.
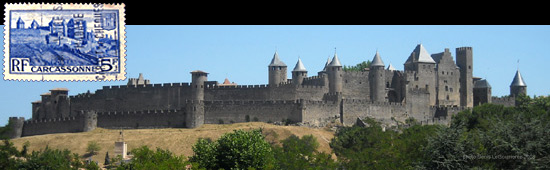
(67, 77)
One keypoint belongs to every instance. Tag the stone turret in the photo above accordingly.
(90, 120)
(16, 127)
(334, 71)
(482, 92)
(299, 73)
(138, 81)
(195, 107)
(464, 60)
(377, 79)
(198, 78)
(518, 86)
(277, 71)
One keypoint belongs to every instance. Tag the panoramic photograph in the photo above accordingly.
(279, 97)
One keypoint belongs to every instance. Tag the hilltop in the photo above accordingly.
(178, 141)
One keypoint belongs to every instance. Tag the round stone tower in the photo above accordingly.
(377, 79)
(334, 71)
(198, 78)
(299, 73)
(518, 86)
(16, 127)
(277, 71)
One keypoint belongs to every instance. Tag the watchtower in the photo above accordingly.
(518, 86)
(464, 60)
(334, 71)
(195, 107)
(377, 79)
(299, 73)
(198, 78)
(16, 125)
(277, 71)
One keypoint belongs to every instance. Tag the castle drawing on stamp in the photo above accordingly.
(64, 42)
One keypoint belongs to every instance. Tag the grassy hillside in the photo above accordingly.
(178, 141)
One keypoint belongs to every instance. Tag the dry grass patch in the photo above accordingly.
(178, 141)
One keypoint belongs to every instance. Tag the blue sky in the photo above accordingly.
(241, 53)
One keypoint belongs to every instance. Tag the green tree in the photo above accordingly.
(51, 159)
(147, 159)
(358, 67)
(238, 150)
(302, 153)
(360, 147)
(25, 148)
(93, 148)
(205, 153)
(8, 152)
(4, 131)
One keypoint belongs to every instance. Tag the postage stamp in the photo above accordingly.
(64, 42)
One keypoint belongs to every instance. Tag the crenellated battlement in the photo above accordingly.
(260, 86)
(250, 102)
(146, 86)
(370, 102)
(311, 86)
(53, 120)
(314, 78)
(463, 48)
(139, 112)
(449, 108)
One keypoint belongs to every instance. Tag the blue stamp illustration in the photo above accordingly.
(64, 42)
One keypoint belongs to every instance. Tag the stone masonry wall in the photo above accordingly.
(356, 85)
(265, 111)
(129, 98)
(145, 119)
(57, 125)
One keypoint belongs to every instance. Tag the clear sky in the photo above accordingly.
(167, 54)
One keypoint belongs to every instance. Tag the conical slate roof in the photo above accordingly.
(518, 80)
(482, 84)
(335, 61)
(326, 64)
(420, 55)
(276, 61)
(377, 61)
(299, 66)
(390, 67)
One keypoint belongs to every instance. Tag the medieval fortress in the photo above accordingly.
(430, 89)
